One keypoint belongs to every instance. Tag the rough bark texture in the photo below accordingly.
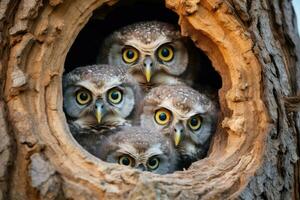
(274, 29)
(254, 45)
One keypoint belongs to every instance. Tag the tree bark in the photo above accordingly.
(253, 44)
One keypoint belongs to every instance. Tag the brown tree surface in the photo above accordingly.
(253, 44)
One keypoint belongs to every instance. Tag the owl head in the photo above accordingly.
(139, 148)
(99, 95)
(182, 114)
(154, 52)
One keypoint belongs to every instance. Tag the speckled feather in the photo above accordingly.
(92, 72)
(150, 32)
(139, 143)
(140, 138)
(182, 97)
(183, 103)
(147, 38)
(101, 78)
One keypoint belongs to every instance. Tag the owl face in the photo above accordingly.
(99, 95)
(183, 114)
(153, 52)
(141, 149)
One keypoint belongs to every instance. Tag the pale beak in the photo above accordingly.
(148, 74)
(98, 115)
(148, 63)
(177, 137)
(99, 111)
(178, 134)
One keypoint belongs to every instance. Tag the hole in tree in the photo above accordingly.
(107, 19)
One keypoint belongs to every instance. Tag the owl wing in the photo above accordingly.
(89, 142)
(90, 137)
(99, 129)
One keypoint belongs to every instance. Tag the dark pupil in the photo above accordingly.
(165, 52)
(83, 96)
(114, 95)
(194, 122)
(162, 116)
(130, 54)
(153, 162)
(125, 161)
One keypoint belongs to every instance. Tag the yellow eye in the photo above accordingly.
(130, 55)
(165, 53)
(153, 163)
(115, 96)
(126, 160)
(162, 116)
(195, 122)
(83, 97)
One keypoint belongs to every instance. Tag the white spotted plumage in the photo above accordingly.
(147, 38)
(139, 145)
(96, 81)
(182, 104)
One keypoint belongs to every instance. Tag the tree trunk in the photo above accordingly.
(253, 44)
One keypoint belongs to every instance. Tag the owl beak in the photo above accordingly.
(99, 111)
(148, 74)
(178, 134)
(148, 68)
(177, 137)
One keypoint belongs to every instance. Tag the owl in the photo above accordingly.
(99, 97)
(139, 148)
(153, 52)
(184, 115)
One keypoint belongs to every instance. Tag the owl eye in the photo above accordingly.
(195, 122)
(83, 97)
(126, 160)
(165, 53)
(162, 116)
(153, 163)
(130, 55)
(115, 96)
